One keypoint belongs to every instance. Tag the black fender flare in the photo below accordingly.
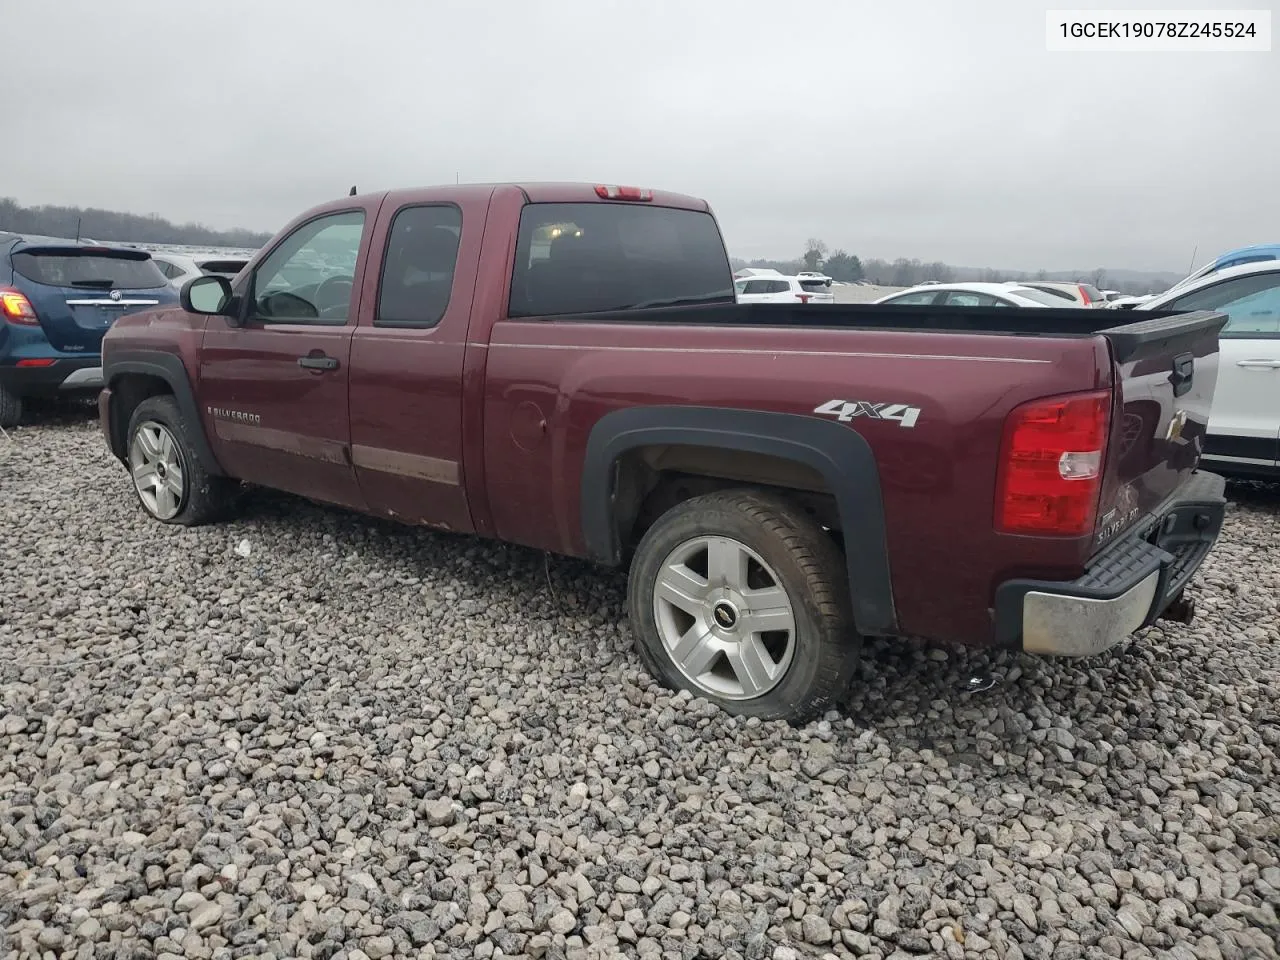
(169, 368)
(838, 452)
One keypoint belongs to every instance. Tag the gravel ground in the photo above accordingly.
(367, 741)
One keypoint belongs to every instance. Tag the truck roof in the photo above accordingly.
(539, 192)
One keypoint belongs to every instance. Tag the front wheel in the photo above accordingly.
(741, 598)
(171, 483)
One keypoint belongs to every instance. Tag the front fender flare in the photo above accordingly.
(169, 368)
(838, 452)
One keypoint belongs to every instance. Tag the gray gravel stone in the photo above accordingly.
(562, 922)
(367, 740)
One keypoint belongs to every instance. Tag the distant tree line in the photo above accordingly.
(52, 221)
(846, 267)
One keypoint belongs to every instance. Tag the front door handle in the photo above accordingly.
(1265, 364)
(320, 362)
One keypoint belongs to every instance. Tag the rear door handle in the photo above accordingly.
(318, 362)
(1267, 364)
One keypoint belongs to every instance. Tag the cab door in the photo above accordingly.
(407, 362)
(274, 392)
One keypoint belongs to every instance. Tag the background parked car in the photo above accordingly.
(972, 295)
(1257, 253)
(57, 299)
(1128, 303)
(1244, 421)
(782, 290)
(179, 268)
(1082, 294)
(814, 282)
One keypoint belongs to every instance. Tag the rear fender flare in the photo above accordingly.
(169, 368)
(838, 452)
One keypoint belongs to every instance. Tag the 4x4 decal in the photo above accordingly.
(846, 410)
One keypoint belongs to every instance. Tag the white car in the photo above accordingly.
(1128, 303)
(782, 290)
(1244, 421)
(973, 295)
(179, 268)
(1074, 294)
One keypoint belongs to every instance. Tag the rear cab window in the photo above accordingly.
(88, 270)
(574, 258)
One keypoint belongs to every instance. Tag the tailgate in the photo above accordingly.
(1166, 368)
(78, 292)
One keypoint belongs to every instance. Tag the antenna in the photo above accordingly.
(353, 191)
(78, 219)
(1193, 258)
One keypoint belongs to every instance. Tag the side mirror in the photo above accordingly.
(209, 295)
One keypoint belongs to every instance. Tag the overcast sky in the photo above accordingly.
(939, 130)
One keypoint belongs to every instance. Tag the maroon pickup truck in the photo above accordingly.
(565, 367)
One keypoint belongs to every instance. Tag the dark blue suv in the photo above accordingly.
(57, 299)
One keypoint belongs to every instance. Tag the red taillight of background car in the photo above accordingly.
(1050, 471)
(17, 308)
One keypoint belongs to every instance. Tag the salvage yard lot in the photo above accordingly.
(383, 741)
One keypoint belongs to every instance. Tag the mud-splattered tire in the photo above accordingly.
(741, 598)
(10, 409)
(168, 477)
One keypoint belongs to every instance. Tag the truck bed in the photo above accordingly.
(1009, 321)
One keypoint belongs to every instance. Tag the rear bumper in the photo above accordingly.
(1125, 588)
(65, 375)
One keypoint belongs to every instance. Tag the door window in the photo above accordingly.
(914, 299)
(309, 277)
(965, 298)
(417, 274)
(1251, 303)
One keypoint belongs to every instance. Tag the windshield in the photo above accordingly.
(97, 270)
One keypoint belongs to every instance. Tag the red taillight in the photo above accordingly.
(17, 308)
(623, 193)
(42, 362)
(1051, 465)
(803, 297)
(1085, 293)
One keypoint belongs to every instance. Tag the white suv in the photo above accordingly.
(1244, 420)
(783, 290)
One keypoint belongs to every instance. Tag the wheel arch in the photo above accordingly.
(133, 376)
(835, 452)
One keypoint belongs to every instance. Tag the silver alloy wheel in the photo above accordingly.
(157, 468)
(724, 618)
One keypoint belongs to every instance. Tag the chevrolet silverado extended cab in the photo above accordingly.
(566, 367)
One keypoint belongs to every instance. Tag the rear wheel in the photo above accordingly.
(10, 408)
(741, 598)
(171, 483)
